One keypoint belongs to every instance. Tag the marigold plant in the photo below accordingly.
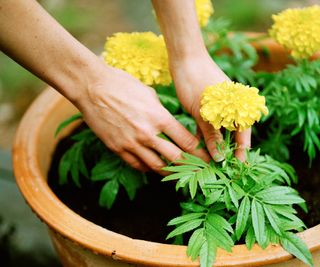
(298, 29)
(142, 54)
(231, 105)
(204, 10)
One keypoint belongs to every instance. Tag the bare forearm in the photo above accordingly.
(179, 24)
(35, 40)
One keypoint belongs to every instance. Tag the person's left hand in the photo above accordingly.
(191, 75)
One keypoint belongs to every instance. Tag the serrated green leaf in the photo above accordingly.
(185, 218)
(186, 227)
(220, 236)
(227, 199)
(219, 221)
(279, 195)
(64, 168)
(208, 252)
(108, 193)
(213, 197)
(294, 245)
(193, 185)
(250, 238)
(176, 176)
(66, 122)
(131, 180)
(106, 168)
(233, 196)
(189, 159)
(195, 243)
(258, 221)
(192, 207)
(242, 216)
(181, 168)
(272, 218)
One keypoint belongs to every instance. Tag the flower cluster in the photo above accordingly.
(231, 105)
(204, 10)
(298, 30)
(142, 54)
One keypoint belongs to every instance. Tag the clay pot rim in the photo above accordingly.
(67, 223)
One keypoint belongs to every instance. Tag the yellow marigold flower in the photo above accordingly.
(231, 105)
(298, 30)
(204, 10)
(142, 54)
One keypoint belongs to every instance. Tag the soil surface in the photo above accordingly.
(143, 218)
(155, 204)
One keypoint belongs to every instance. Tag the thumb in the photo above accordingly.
(211, 137)
(243, 140)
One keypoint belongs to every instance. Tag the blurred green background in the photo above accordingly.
(23, 238)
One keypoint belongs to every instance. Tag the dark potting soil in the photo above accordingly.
(143, 218)
(155, 204)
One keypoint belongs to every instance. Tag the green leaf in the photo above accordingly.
(189, 159)
(188, 122)
(250, 238)
(193, 185)
(272, 218)
(227, 199)
(185, 218)
(219, 221)
(181, 168)
(131, 180)
(64, 168)
(186, 227)
(106, 168)
(294, 245)
(243, 215)
(220, 236)
(66, 122)
(208, 252)
(258, 221)
(195, 243)
(279, 195)
(176, 176)
(171, 103)
(108, 193)
(213, 197)
(233, 196)
(192, 207)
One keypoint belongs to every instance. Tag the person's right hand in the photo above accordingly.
(128, 117)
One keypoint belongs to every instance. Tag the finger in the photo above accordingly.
(243, 140)
(212, 137)
(184, 139)
(133, 161)
(151, 159)
(166, 148)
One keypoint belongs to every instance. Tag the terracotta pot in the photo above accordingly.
(82, 243)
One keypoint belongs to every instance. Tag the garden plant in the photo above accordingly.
(230, 201)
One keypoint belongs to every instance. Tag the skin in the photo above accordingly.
(30, 36)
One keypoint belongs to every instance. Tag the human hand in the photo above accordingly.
(191, 75)
(127, 116)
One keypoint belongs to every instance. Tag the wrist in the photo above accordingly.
(79, 73)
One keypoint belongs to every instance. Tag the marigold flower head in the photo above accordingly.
(204, 10)
(142, 54)
(298, 30)
(231, 105)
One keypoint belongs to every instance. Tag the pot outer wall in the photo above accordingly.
(73, 255)
(82, 243)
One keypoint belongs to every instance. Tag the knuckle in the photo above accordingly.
(144, 134)
(157, 166)
(190, 143)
